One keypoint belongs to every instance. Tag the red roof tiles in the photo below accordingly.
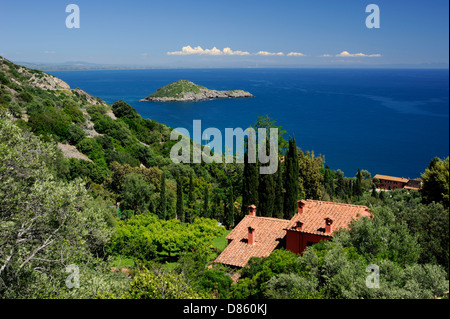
(315, 214)
(269, 233)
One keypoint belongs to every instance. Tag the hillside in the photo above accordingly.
(184, 90)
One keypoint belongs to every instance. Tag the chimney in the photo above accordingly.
(328, 225)
(251, 236)
(301, 205)
(252, 210)
(299, 226)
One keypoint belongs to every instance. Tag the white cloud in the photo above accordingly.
(188, 50)
(295, 54)
(228, 51)
(265, 53)
(325, 56)
(49, 52)
(346, 54)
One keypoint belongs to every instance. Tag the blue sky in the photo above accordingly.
(144, 32)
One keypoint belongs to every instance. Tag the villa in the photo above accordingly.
(315, 221)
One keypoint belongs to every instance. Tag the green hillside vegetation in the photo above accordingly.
(56, 211)
(176, 89)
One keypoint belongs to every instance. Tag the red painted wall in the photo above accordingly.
(390, 185)
(297, 242)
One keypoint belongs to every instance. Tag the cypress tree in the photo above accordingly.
(191, 192)
(180, 210)
(358, 191)
(374, 191)
(206, 203)
(291, 180)
(191, 203)
(230, 210)
(250, 182)
(162, 209)
(266, 191)
(279, 195)
(341, 188)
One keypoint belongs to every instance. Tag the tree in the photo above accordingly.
(180, 209)
(436, 182)
(75, 134)
(279, 192)
(161, 284)
(358, 190)
(310, 177)
(341, 189)
(291, 180)
(136, 193)
(267, 192)
(45, 223)
(229, 205)
(206, 203)
(266, 195)
(328, 181)
(191, 201)
(123, 109)
(250, 183)
(162, 208)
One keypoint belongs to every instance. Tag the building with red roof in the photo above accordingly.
(315, 221)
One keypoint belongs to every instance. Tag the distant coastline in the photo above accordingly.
(86, 66)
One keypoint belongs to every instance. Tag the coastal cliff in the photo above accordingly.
(184, 90)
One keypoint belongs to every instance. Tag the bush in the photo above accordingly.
(26, 97)
(123, 109)
(90, 147)
(50, 121)
(75, 134)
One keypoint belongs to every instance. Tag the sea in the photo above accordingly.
(386, 121)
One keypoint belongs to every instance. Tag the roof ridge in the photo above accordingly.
(335, 203)
(270, 218)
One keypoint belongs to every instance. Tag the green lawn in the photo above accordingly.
(221, 242)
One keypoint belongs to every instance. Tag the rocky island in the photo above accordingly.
(184, 90)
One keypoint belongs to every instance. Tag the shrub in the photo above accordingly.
(75, 134)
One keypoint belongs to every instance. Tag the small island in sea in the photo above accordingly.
(184, 90)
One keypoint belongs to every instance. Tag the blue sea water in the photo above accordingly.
(387, 121)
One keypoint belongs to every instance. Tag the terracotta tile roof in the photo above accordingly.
(315, 213)
(391, 178)
(412, 187)
(269, 232)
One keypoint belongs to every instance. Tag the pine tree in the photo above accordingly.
(162, 208)
(180, 209)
